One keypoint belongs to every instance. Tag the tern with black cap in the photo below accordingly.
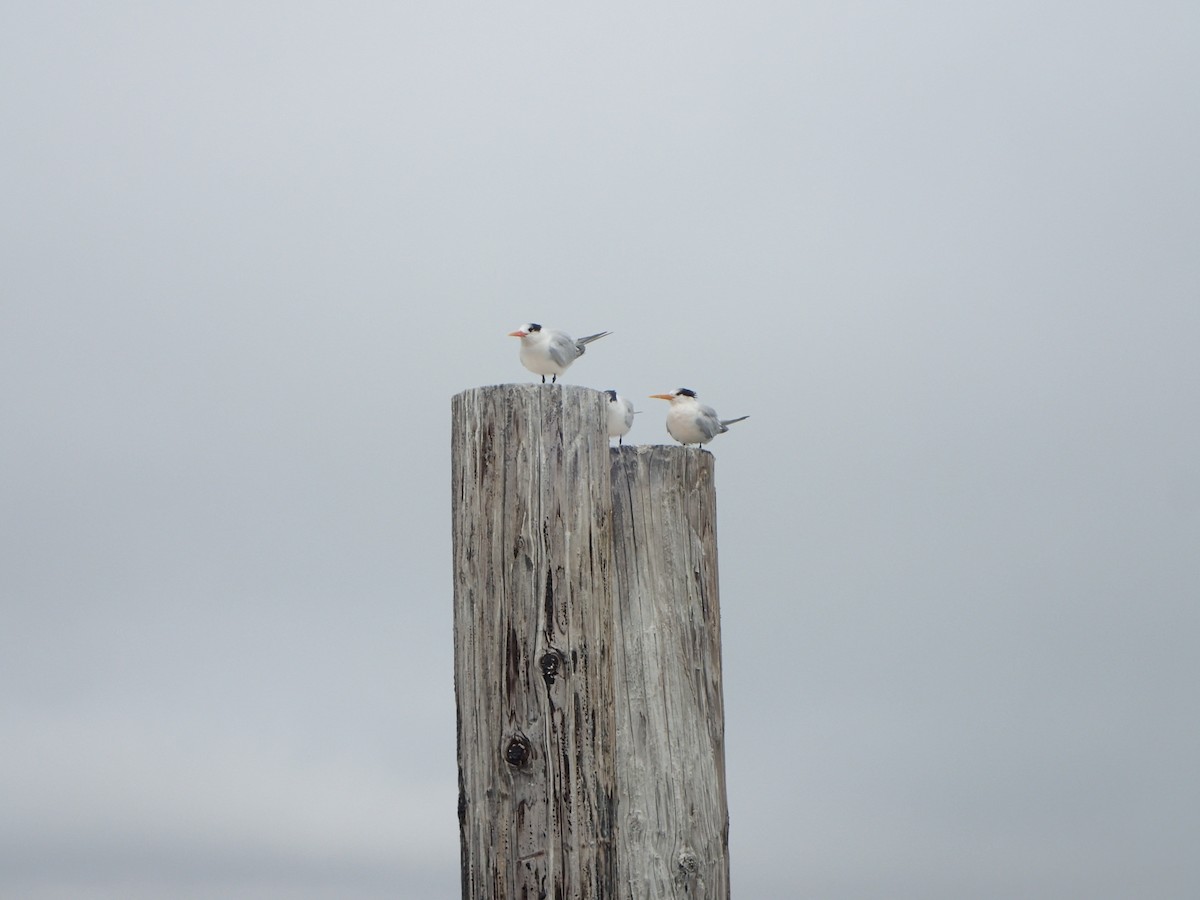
(620, 415)
(691, 422)
(545, 351)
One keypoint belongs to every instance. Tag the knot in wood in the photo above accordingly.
(689, 864)
(517, 752)
(550, 663)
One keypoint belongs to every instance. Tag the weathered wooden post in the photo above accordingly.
(672, 815)
(533, 626)
(587, 656)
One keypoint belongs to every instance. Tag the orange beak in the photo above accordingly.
(661, 397)
(518, 333)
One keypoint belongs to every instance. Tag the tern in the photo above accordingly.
(620, 416)
(545, 351)
(691, 422)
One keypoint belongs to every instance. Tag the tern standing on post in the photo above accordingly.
(545, 351)
(620, 416)
(691, 422)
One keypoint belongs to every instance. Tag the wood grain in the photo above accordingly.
(533, 625)
(587, 658)
(673, 821)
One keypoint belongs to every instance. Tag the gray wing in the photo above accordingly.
(628, 413)
(707, 422)
(562, 349)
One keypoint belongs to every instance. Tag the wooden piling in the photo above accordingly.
(673, 820)
(533, 624)
(587, 656)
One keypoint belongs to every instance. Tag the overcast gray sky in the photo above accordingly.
(945, 255)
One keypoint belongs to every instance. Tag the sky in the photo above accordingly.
(944, 255)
